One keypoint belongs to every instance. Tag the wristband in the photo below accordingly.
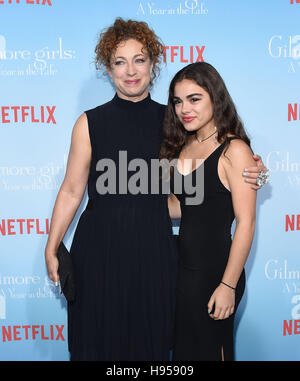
(228, 285)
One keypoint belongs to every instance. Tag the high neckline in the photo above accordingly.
(129, 105)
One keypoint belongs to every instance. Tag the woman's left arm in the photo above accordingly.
(244, 202)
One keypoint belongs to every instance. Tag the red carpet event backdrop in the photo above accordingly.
(48, 78)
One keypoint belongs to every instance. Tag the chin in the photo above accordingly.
(189, 128)
(134, 91)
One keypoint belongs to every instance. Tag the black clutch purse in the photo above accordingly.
(66, 272)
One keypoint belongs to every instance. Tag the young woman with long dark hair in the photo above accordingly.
(202, 124)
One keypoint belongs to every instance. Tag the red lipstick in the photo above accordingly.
(132, 82)
(188, 119)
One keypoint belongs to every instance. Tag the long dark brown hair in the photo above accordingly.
(225, 115)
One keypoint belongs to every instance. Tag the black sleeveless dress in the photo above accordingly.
(204, 243)
(123, 248)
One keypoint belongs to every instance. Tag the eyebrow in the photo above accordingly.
(136, 55)
(190, 95)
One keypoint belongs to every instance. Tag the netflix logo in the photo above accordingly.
(291, 327)
(33, 2)
(27, 114)
(183, 54)
(293, 111)
(32, 332)
(22, 226)
(292, 222)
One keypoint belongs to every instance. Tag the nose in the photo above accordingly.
(185, 108)
(131, 69)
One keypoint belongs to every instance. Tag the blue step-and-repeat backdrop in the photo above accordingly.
(48, 78)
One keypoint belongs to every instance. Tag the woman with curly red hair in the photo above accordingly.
(123, 250)
(125, 264)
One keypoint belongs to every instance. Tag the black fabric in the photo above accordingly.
(66, 272)
(204, 243)
(123, 250)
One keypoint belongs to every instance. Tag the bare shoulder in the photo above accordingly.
(81, 122)
(239, 154)
(238, 146)
(82, 118)
(80, 129)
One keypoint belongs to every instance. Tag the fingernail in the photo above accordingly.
(245, 174)
(246, 169)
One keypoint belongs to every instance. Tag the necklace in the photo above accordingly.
(202, 140)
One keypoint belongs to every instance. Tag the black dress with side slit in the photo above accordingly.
(204, 243)
(123, 249)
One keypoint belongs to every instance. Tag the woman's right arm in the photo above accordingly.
(70, 194)
(174, 206)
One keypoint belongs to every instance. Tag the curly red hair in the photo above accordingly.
(123, 30)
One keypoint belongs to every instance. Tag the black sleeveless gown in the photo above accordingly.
(123, 248)
(204, 243)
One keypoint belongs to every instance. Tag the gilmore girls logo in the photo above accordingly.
(286, 48)
(183, 8)
(285, 163)
(25, 287)
(38, 62)
(30, 178)
(281, 270)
